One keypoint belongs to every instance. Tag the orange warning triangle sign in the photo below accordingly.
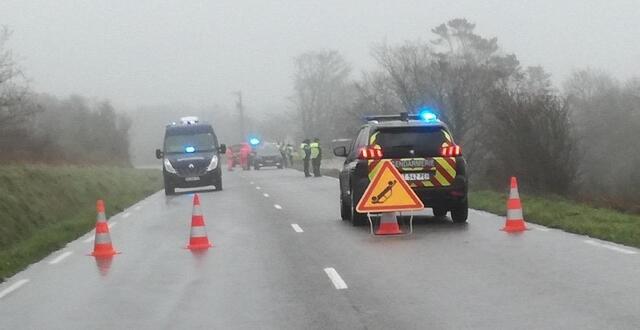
(388, 192)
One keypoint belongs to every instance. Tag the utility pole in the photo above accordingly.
(240, 108)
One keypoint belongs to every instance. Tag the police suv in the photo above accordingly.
(191, 156)
(421, 147)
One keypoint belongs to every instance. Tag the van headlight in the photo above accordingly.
(214, 163)
(168, 167)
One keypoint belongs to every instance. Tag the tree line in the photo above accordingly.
(510, 120)
(45, 129)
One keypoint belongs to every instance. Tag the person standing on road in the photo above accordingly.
(289, 152)
(305, 154)
(245, 154)
(229, 156)
(283, 153)
(316, 156)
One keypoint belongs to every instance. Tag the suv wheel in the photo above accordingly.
(460, 213)
(439, 212)
(345, 209)
(357, 219)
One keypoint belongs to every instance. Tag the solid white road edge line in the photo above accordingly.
(60, 257)
(265, 195)
(335, 278)
(89, 239)
(112, 224)
(126, 215)
(137, 208)
(277, 206)
(13, 287)
(610, 247)
(297, 228)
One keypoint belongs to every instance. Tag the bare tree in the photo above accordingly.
(14, 105)
(320, 93)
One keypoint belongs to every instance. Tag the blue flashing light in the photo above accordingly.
(190, 149)
(428, 115)
(254, 141)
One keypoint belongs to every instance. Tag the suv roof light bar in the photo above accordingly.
(404, 116)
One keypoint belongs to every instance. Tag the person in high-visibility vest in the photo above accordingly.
(305, 154)
(316, 156)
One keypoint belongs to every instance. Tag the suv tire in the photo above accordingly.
(357, 219)
(439, 212)
(460, 213)
(345, 210)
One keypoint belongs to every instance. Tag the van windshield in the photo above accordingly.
(187, 143)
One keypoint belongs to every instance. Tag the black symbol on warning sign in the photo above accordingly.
(384, 194)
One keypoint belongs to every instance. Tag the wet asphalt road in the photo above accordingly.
(264, 273)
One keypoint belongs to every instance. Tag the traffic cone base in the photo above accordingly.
(388, 225)
(513, 226)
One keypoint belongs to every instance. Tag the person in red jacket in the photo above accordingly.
(245, 152)
(229, 155)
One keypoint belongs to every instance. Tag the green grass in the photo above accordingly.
(560, 213)
(44, 207)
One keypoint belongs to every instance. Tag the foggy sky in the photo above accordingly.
(196, 53)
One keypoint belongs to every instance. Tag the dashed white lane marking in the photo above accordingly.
(258, 188)
(277, 206)
(13, 287)
(537, 227)
(335, 278)
(60, 257)
(297, 228)
(610, 247)
(265, 195)
(126, 215)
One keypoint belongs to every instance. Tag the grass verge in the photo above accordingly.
(561, 213)
(44, 207)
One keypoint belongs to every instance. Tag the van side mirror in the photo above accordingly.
(223, 148)
(340, 151)
(159, 154)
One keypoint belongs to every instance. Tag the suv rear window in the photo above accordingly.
(268, 150)
(396, 142)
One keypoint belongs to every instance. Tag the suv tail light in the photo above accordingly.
(370, 153)
(451, 151)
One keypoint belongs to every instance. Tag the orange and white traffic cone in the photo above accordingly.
(102, 244)
(198, 239)
(515, 219)
(388, 224)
